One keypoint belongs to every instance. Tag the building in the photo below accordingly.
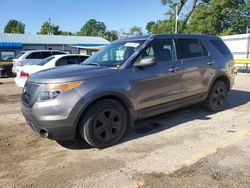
(11, 44)
(239, 45)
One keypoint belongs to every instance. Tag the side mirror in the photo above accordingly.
(145, 62)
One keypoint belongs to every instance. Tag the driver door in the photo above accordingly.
(156, 86)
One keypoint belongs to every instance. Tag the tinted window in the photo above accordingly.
(161, 49)
(191, 48)
(57, 53)
(34, 55)
(73, 60)
(220, 46)
(45, 55)
(62, 61)
(83, 58)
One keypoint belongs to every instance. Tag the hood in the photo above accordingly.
(71, 73)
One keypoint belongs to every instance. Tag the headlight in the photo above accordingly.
(51, 91)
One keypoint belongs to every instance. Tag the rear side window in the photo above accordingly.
(34, 55)
(191, 48)
(45, 55)
(220, 46)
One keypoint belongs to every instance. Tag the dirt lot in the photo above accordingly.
(184, 148)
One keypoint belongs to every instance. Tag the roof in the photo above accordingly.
(145, 37)
(52, 39)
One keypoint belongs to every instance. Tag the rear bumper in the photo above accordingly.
(20, 82)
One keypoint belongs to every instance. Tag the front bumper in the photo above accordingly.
(54, 119)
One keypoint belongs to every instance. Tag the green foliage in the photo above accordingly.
(49, 29)
(161, 26)
(215, 17)
(135, 30)
(14, 26)
(66, 33)
(221, 17)
(111, 35)
(93, 28)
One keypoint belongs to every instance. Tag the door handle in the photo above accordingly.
(173, 69)
(210, 62)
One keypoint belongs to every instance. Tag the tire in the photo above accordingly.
(9, 73)
(95, 127)
(217, 97)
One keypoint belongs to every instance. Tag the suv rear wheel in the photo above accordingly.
(104, 123)
(217, 97)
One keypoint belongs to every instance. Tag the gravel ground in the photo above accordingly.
(189, 147)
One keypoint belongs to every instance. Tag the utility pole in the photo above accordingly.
(49, 32)
(176, 18)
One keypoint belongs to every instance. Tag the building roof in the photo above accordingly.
(52, 39)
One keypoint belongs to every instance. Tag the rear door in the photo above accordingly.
(159, 84)
(197, 67)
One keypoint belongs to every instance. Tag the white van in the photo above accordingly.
(32, 56)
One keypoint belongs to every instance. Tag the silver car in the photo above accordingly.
(129, 79)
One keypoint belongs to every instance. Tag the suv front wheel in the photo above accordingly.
(217, 97)
(104, 123)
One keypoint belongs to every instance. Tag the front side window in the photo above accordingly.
(191, 48)
(115, 54)
(73, 60)
(161, 49)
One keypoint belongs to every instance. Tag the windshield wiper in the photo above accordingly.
(95, 64)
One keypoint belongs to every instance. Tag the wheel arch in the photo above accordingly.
(126, 103)
(221, 77)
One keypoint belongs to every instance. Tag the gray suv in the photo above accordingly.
(129, 79)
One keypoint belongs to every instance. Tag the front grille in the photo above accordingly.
(29, 93)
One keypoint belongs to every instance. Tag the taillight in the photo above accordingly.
(24, 74)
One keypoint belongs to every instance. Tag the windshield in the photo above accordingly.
(115, 54)
(44, 61)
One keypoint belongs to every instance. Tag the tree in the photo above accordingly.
(135, 30)
(49, 29)
(65, 33)
(220, 17)
(111, 35)
(161, 26)
(185, 10)
(93, 28)
(14, 26)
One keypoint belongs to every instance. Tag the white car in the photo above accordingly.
(32, 56)
(24, 72)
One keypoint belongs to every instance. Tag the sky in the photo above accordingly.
(70, 15)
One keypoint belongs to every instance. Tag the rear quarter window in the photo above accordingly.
(220, 46)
